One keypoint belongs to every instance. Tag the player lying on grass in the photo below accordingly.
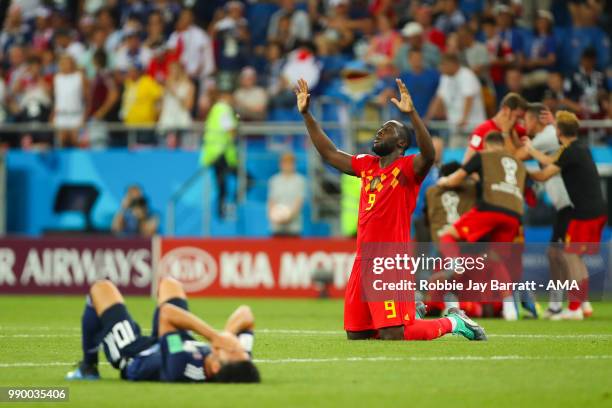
(170, 353)
(390, 185)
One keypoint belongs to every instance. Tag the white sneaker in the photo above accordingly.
(509, 311)
(587, 309)
(567, 314)
(550, 314)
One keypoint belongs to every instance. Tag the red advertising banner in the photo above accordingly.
(57, 265)
(257, 267)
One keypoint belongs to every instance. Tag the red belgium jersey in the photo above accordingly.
(481, 131)
(387, 200)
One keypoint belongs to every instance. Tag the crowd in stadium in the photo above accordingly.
(77, 64)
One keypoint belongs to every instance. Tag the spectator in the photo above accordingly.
(591, 85)
(414, 39)
(70, 97)
(17, 66)
(219, 146)
(297, 24)
(104, 100)
(131, 52)
(507, 46)
(15, 31)
(383, 47)
(560, 94)
(422, 82)
(473, 53)
(423, 16)
(279, 89)
(459, 96)
(155, 30)
(450, 18)
(251, 100)
(514, 81)
(286, 193)
(194, 48)
(106, 22)
(134, 216)
(139, 104)
(231, 33)
(43, 33)
(584, 34)
(542, 54)
(339, 28)
(86, 60)
(65, 43)
(178, 100)
(30, 100)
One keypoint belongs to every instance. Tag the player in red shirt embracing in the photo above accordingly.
(390, 185)
(511, 109)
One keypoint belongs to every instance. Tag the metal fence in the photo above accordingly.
(131, 137)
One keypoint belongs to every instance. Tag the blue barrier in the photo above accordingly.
(33, 179)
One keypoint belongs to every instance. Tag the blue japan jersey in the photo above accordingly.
(182, 358)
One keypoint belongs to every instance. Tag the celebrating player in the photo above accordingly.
(498, 212)
(582, 229)
(170, 353)
(512, 108)
(540, 128)
(390, 184)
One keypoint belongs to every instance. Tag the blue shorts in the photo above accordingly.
(120, 336)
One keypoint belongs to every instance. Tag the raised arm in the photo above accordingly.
(453, 180)
(427, 154)
(326, 148)
(546, 173)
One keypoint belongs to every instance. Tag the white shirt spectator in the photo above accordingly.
(453, 90)
(299, 25)
(197, 56)
(123, 59)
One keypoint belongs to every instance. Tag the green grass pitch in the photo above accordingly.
(305, 360)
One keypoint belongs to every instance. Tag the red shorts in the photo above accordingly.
(499, 227)
(584, 236)
(360, 315)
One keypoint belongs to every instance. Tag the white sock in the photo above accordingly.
(555, 301)
(448, 305)
(509, 306)
(453, 321)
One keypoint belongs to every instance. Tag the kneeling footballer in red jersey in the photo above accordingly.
(390, 185)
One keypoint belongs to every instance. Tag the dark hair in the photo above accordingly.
(239, 372)
(494, 138)
(589, 53)
(535, 108)
(100, 58)
(450, 57)
(487, 20)
(514, 101)
(34, 59)
(449, 168)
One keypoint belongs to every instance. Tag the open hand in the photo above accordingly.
(405, 104)
(546, 117)
(303, 97)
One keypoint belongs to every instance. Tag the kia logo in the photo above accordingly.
(194, 268)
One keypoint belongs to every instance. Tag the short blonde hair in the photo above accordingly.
(567, 123)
